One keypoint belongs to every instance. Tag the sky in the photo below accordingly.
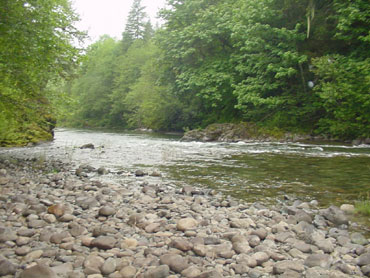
(100, 17)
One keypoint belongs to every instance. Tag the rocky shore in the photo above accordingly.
(59, 221)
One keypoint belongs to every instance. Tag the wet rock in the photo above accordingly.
(139, 173)
(38, 271)
(104, 242)
(162, 271)
(88, 146)
(102, 171)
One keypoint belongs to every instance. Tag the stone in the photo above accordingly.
(34, 255)
(347, 208)
(261, 257)
(7, 268)
(210, 274)
(88, 146)
(104, 242)
(186, 224)
(109, 266)
(358, 238)
(363, 259)
(128, 272)
(63, 269)
(182, 244)
(38, 271)
(57, 210)
(22, 251)
(7, 234)
(200, 250)
(335, 215)
(283, 266)
(153, 227)
(162, 271)
(254, 241)
(139, 173)
(321, 260)
(107, 211)
(191, 272)
(176, 263)
(325, 245)
(92, 264)
(261, 233)
(129, 243)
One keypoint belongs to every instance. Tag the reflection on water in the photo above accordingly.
(254, 171)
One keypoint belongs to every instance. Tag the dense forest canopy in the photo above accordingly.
(301, 66)
(36, 50)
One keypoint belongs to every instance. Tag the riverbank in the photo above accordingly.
(59, 221)
(247, 132)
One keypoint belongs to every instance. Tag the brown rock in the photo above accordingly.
(186, 224)
(38, 271)
(104, 242)
(58, 209)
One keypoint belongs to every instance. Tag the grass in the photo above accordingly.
(363, 207)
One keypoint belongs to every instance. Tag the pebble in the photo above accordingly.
(83, 226)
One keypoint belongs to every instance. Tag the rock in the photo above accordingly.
(321, 260)
(109, 266)
(186, 224)
(348, 209)
(34, 255)
(261, 233)
(7, 234)
(107, 211)
(283, 266)
(335, 215)
(139, 173)
(162, 271)
(102, 171)
(93, 264)
(363, 259)
(254, 241)
(88, 146)
(128, 272)
(63, 269)
(200, 250)
(38, 271)
(182, 244)
(22, 251)
(210, 274)
(191, 272)
(358, 238)
(7, 268)
(58, 210)
(176, 263)
(104, 242)
(261, 257)
(325, 245)
(129, 243)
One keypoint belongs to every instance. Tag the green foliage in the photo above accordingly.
(35, 47)
(343, 90)
(217, 61)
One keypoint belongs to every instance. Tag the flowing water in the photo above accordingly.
(265, 172)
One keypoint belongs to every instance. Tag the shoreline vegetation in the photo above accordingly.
(65, 220)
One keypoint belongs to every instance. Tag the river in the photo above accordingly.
(264, 172)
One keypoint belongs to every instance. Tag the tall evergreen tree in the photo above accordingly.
(136, 25)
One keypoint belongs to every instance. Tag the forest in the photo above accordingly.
(298, 66)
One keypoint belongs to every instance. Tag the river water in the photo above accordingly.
(264, 172)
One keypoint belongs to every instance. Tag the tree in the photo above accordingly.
(36, 46)
(136, 26)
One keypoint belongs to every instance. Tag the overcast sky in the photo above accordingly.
(100, 17)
